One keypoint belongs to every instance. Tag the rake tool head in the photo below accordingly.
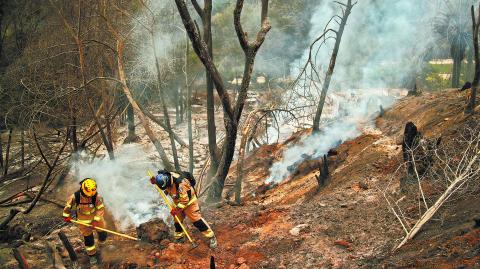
(194, 246)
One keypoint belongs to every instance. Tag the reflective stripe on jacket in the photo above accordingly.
(184, 196)
(86, 211)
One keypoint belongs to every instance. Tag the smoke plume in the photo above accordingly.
(352, 114)
(385, 45)
(124, 185)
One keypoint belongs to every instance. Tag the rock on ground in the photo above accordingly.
(153, 231)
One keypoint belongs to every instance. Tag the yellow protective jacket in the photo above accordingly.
(86, 210)
(185, 195)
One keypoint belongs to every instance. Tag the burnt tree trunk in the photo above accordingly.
(323, 175)
(205, 14)
(476, 78)
(7, 152)
(410, 142)
(162, 124)
(51, 166)
(231, 113)
(132, 136)
(331, 66)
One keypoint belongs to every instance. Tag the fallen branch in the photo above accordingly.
(457, 171)
(60, 205)
(15, 211)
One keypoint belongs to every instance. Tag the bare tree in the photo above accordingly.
(346, 10)
(120, 40)
(232, 113)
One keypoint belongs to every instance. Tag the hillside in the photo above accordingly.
(345, 224)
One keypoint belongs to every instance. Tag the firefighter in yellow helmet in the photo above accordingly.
(89, 209)
(180, 186)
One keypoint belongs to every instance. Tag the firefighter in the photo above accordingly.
(89, 209)
(180, 186)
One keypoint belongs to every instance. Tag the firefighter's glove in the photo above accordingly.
(153, 180)
(175, 211)
(94, 224)
(67, 219)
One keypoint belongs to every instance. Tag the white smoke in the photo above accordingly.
(125, 187)
(354, 112)
(384, 45)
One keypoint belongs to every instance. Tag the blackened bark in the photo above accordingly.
(73, 138)
(231, 114)
(206, 16)
(410, 142)
(473, 96)
(323, 175)
(131, 123)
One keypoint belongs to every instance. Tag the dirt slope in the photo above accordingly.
(345, 224)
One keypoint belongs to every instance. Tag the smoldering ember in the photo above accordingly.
(239, 134)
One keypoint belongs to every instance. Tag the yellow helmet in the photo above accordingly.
(89, 187)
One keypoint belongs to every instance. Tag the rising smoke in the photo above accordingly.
(352, 114)
(384, 45)
(124, 184)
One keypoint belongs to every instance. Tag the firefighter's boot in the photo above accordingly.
(93, 261)
(213, 242)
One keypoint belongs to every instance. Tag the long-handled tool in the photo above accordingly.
(106, 230)
(194, 245)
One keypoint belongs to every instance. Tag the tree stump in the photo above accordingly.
(324, 174)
